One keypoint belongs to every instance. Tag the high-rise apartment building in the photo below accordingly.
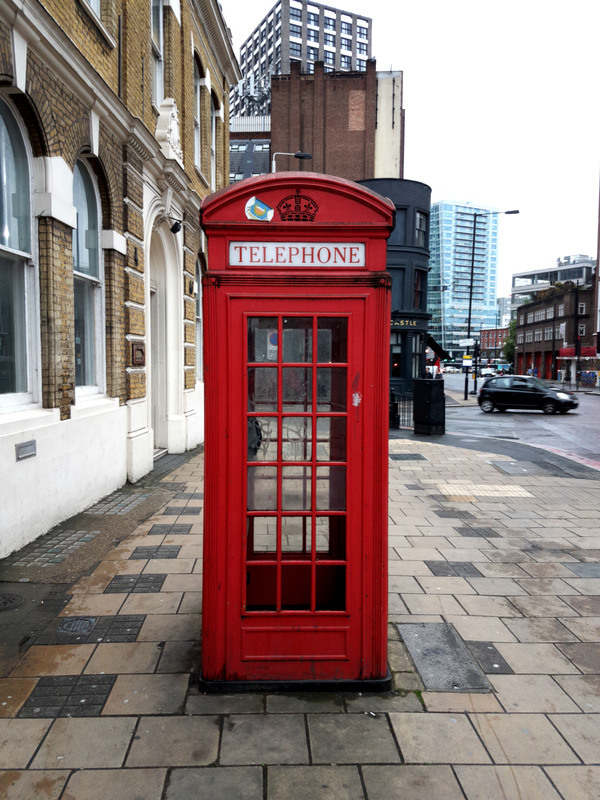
(451, 253)
(298, 31)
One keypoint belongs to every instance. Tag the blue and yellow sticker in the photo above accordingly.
(256, 209)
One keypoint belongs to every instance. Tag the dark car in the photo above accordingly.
(522, 391)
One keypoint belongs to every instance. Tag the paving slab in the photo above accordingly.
(175, 742)
(411, 783)
(33, 784)
(60, 659)
(583, 690)
(534, 657)
(540, 629)
(576, 783)
(531, 693)
(582, 732)
(315, 783)
(586, 657)
(123, 657)
(522, 739)
(13, 693)
(130, 784)
(438, 739)
(505, 783)
(19, 739)
(242, 783)
(587, 628)
(147, 694)
(85, 743)
(263, 739)
(351, 739)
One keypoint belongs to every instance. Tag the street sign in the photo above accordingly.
(466, 342)
(467, 361)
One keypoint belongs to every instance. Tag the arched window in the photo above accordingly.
(87, 282)
(197, 115)
(17, 278)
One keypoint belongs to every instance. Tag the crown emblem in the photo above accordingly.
(297, 208)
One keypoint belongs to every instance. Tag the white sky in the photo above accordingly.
(502, 109)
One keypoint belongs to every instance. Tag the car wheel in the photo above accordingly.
(487, 405)
(549, 407)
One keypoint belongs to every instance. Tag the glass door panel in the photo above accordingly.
(297, 419)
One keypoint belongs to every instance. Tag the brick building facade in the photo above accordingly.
(351, 123)
(556, 333)
(111, 133)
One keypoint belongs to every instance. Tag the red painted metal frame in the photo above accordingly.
(295, 645)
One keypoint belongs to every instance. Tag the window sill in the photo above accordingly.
(87, 405)
(19, 418)
(98, 23)
(202, 177)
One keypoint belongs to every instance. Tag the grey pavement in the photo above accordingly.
(494, 648)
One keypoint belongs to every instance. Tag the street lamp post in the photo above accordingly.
(476, 214)
(299, 155)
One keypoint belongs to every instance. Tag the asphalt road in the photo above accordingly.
(576, 433)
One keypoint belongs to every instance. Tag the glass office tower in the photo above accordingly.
(452, 262)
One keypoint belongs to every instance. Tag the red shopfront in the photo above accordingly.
(296, 336)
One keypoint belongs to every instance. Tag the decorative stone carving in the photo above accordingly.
(167, 130)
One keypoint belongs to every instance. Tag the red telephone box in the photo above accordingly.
(296, 340)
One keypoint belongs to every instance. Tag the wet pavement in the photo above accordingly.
(494, 585)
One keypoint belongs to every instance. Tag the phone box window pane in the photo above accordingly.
(295, 587)
(330, 587)
(262, 389)
(297, 340)
(262, 339)
(297, 389)
(331, 439)
(331, 389)
(296, 439)
(331, 488)
(261, 587)
(262, 488)
(330, 538)
(296, 536)
(332, 340)
(261, 536)
(296, 489)
(262, 439)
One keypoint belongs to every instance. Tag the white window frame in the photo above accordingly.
(581, 329)
(561, 310)
(17, 401)
(581, 308)
(99, 387)
(158, 64)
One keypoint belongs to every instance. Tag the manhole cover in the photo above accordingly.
(8, 601)
(77, 625)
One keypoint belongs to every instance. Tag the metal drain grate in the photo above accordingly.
(77, 625)
(9, 601)
(407, 457)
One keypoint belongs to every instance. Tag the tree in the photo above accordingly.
(509, 344)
